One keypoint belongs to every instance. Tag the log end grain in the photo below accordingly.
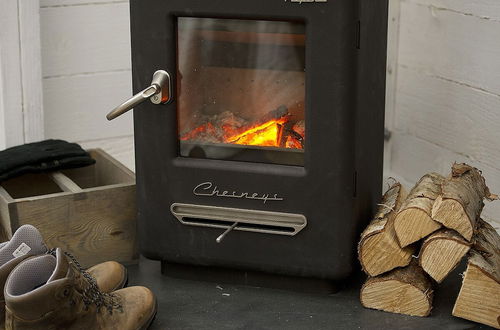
(479, 298)
(441, 253)
(451, 214)
(403, 291)
(378, 248)
(395, 297)
(413, 224)
(414, 221)
(381, 253)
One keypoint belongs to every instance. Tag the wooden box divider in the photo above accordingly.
(90, 212)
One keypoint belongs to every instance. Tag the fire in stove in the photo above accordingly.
(275, 129)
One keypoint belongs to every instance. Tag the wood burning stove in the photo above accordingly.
(262, 146)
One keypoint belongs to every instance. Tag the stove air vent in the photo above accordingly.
(239, 219)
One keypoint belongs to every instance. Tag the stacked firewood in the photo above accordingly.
(416, 239)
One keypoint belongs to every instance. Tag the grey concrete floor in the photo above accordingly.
(189, 304)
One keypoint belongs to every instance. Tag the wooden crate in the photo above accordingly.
(89, 212)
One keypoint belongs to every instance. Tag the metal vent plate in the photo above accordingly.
(247, 220)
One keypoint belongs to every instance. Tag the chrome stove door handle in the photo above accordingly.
(160, 91)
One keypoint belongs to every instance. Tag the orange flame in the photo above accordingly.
(267, 134)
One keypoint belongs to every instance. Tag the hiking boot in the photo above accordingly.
(110, 276)
(27, 241)
(52, 292)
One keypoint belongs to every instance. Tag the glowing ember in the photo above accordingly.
(228, 128)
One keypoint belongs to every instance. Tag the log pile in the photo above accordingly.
(440, 218)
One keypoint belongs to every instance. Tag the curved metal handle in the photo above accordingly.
(132, 102)
(158, 92)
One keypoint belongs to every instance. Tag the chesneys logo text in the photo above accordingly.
(211, 190)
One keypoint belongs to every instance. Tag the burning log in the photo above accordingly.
(378, 249)
(300, 128)
(479, 297)
(266, 131)
(403, 291)
(215, 128)
(274, 129)
(461, 200)
(441, 252)
(284, 134)
(414, 220)
(295, 139)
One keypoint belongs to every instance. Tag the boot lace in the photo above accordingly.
(91, 293)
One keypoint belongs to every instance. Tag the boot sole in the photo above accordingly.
(151, 318)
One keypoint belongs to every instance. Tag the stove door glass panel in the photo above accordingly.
(241, 90)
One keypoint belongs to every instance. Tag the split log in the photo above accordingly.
(413, 220)
(461, 201)
(378, 249)
(441, 252)
(404, 291)
(479, 297)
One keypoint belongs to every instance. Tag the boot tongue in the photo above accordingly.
(62, 266)
(26, 240)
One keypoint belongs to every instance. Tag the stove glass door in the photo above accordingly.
(241, 90)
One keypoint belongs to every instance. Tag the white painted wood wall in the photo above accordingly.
(21, 109)
(87, 72)
(443, 96)
(446, 105)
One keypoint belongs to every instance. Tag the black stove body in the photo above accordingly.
(316, 69)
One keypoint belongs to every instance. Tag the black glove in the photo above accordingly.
(42, 156)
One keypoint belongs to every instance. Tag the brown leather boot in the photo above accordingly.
(52, 292)
(110, 276)
(27, 241)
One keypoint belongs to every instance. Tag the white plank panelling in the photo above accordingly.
(76, 106)
(487, 9)
(85, 39)
(454, 116)
(59, 3)
(11, 111)
(121, 148)
(392, 62)
(31, 70)
(462, 48)
(413, 157)
(448, 91)
(391, 82)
